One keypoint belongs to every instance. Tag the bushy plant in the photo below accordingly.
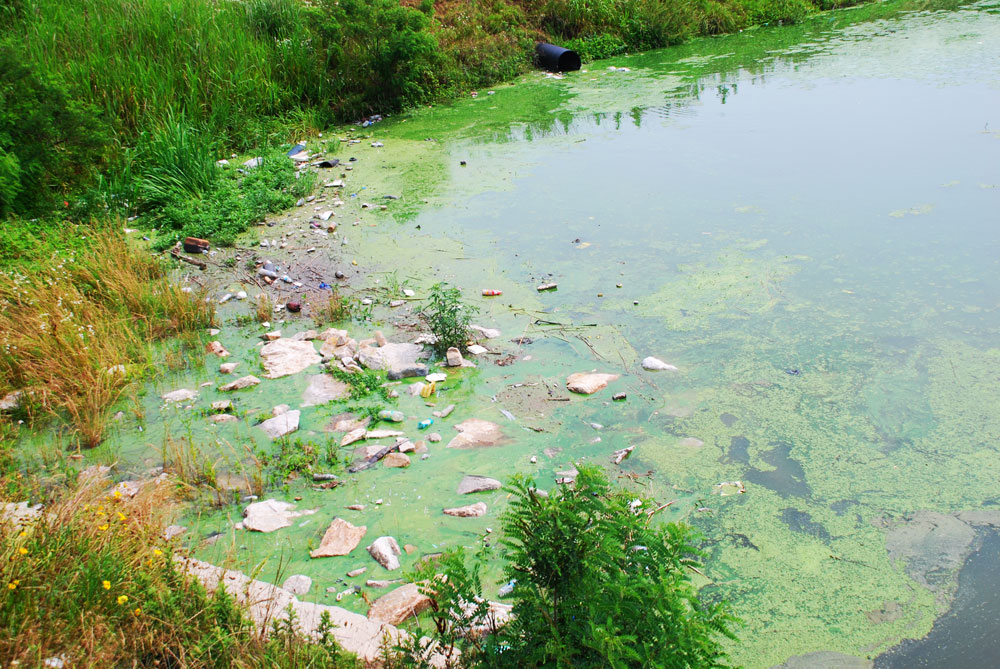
(597, 584)
(448, 317)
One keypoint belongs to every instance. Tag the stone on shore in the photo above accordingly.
(656, 365)
(287, 356)
(386, 551)
(340, 539)
(394, 607)
(240, 383)
(469, 511)
(271, 515)
(217, 348)
(297, 584)
(181, 395)
(471, 484)
(282, 424)
(324, 388)
(589, 383)
(476, 432)
(224, 418)
(228, 367)
(454, 357)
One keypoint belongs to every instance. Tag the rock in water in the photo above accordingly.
(454, 357)
(656, 365)
(470, 511)
(476, 432)
(271, 515)
(182, 395)
(396, 460)
(472, 484)
(340, 539)
(240, 383)
(386, 552)
(404, 602)
(589, 383)
(287, 356)
(324, 388)
(281, 424)
(297, 584)
(228, 367)
(398, 360)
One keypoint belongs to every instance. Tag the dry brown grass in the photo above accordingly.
(76, 331)
(263, 308)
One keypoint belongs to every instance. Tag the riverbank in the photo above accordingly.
(772, 359)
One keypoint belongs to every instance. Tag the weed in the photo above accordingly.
(263, 308)
(447, 317)
(333, 309)
(293, 457)
(363, 384)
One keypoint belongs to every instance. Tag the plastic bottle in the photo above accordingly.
(489, 292)
(393, 416)
(425, 423)
(428, 389)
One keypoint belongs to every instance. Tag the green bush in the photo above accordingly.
(447, 317)
(595, 586)
(48, 140)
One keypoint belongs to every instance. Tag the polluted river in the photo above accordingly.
(799, 221)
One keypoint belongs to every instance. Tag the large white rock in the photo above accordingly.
(404, 602)
(281, 424)
(287, 356)
(324, 388)
(340, 539)
(399, 360)
(589, 383)
(476, 432)
(656, 365)
(386, 552)
(181, 395)
(271, 515)
(471, 484)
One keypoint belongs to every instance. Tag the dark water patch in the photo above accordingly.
(788, 479)
(840, 507)
(728, 419)
(802, 522)
(742, 540)
(739, 451)
(967, 636)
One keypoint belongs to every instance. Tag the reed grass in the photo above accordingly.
(75, 329)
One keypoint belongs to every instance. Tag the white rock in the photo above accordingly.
(271, 515)
(286, 356)
(240, 383)
(656, 365)
(340, 539)
(476, 349)
(281, 425)
(488, 333)
(470, 511)
(228, 367)
(297, 584)
(476, 432)
(589, 383)
(471, 484)
(324, 388)
(395, 607)
(181, 395)
(454, 357)
(386, 552)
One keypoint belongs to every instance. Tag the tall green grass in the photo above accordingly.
(228, 66)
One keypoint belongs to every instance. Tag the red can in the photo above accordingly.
(488, 292)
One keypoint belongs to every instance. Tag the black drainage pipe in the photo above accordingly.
(555, 58)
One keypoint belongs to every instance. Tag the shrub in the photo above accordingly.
(48, 140)
(447, 317)
(596, 586)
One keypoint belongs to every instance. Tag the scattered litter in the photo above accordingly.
(622, 454)
(490, 292)
(547, 286)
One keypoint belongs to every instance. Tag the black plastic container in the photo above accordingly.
(555, 58)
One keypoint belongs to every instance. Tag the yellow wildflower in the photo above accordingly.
(103, 527)
(137, 611)
(157, 552)
(121, 516)
(13, 584)
(122, 599)
(22, 550)
(23, 533)
(106, 584)
(117, 494)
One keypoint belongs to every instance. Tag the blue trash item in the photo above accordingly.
(507, 588)
(298, 148)
(324, 286)
(425, 423)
